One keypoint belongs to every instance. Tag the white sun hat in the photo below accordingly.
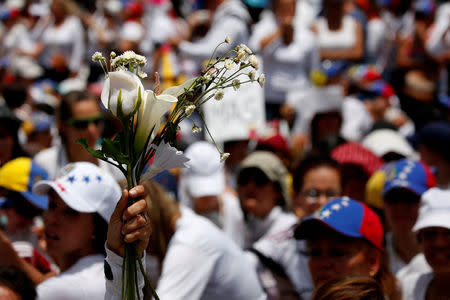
(205, 175)
(384, 141)
(434, 210)
(85, 188)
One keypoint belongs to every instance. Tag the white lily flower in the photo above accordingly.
(152, 108)
(130, 89)
(166, 157)
(227, 39)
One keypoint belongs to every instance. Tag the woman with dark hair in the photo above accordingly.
(80, 204)
(345, 238)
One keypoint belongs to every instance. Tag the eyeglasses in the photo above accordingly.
(312, 195)
(83, 123)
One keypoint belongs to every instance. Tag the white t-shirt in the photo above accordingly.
(230, 19)
(287, 67)
(414, 287)
(84, 280)
(202, 263)
(66, 39)
(233, 225)
(343, 38)
(284, 249)
(54, 158)
(417, 265)
(395, 262)
(356, 119)
(276, 221)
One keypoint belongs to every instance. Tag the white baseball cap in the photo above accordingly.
(205, 175)
(85, 188)
(434, 210)
(384, 141)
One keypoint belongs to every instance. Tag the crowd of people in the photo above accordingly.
(342, 192)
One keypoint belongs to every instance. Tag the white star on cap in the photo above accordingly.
(344, 202)
(336, 206)
(325, 214)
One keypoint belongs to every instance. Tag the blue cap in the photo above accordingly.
(409, 174)
(19, 175)
(345, 216)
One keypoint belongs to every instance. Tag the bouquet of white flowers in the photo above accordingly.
(144, 147)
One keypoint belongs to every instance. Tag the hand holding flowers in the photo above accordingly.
(144, 147)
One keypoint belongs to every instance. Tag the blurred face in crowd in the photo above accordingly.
(68, 233)
(285, 11)
(6, 146)
(334, 256)
(355, 180)
(86, 122)
(401, 208)
(7, 293)
(320, 185)
(436, 247)
(258, 195)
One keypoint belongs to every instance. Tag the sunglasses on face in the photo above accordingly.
(83, 123)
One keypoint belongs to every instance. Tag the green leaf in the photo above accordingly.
(113, 149)
(96, 153)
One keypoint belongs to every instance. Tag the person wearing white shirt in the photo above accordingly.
(79, 116)
(197, 260)
(264, 196)
(63, 44)
(202, 188)
(230, 18)
(433, 229)
(289, 53)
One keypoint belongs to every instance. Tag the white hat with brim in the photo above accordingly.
(384, 141)
(84, 187)
(206, 174)
(212, 185)
(434, 210)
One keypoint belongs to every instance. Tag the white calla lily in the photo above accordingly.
(176, 91)
(166, 157)
(152, 108)
(122, 92)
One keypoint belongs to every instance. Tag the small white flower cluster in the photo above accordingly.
(189, 110)
(129, 61)
(97, 57)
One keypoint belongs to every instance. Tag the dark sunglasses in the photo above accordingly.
(83, 123)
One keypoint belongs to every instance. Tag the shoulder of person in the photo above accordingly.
(415, 284)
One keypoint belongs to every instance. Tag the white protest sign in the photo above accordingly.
(237, 115)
